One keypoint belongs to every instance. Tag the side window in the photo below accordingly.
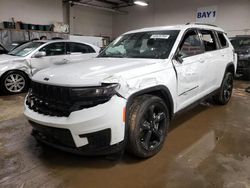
(54, 49)
(222, 39)
(78, 48)
(209, 40)
(191, 45)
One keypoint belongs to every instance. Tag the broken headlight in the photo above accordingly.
(105, 90)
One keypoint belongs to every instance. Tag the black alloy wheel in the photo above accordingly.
(148, 124)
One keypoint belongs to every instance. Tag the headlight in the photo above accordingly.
(105, 90)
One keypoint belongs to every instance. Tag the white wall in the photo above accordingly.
(90, 21)
(233, 15)
(31, 11)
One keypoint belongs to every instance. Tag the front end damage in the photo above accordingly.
(85, 120)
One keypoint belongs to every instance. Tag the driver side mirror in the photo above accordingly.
(40, 54)
(178, 57)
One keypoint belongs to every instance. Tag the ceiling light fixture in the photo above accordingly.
(141, 3)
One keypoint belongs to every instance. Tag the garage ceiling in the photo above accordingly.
(111, 4)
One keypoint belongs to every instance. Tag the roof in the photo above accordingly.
(177, 27)
(66, 40)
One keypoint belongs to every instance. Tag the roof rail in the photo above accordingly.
(195, 23)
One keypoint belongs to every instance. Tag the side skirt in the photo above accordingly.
(195, 104)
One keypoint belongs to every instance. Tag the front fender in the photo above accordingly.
(20, 65)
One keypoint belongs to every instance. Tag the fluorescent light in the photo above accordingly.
(141, 3)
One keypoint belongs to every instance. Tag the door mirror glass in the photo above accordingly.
(40, 54)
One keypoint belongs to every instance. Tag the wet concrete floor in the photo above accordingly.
(207, 147)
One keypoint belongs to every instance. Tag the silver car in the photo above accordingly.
(19, 65)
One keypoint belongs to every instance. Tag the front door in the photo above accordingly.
(55, 55)
(188, 68)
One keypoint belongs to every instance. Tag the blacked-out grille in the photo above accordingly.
(58, 100)
(49, 100)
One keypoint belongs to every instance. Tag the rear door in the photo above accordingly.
(212, 62)
(55, 55)
(78, 51)
(189, 68)
(227, 56)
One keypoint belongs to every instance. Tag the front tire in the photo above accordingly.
(14, 82)
(148, 125)
(226, 90)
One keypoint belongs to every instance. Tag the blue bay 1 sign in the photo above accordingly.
(206, 14)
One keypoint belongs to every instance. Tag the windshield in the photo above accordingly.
(25, 49)
(240, 42)
(153, 44)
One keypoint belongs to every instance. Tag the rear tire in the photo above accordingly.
(148, 125)
(226, 90)
(14, 82)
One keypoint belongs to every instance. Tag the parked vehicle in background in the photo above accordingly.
(16, 44)
(241, 45)
(20, 64)
(3, 50)
(127, 96)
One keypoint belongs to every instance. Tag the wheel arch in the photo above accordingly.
(230, 68)
(160, 91)
(15, 70)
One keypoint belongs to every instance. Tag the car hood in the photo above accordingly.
(96, 71)
(5, 58)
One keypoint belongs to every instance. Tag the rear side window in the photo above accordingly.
(79, 48)
(191, 45)
(54, 49)
(222, 39)
(209, 40)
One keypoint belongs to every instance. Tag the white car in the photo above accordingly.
(126, 96)
(20, 64)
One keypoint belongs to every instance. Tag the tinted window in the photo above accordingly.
(79, 48)
(191, 45)
(222, 40)
(208, 40)
(151, 44)
(54, 49)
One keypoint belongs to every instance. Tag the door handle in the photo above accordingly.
(64, 61)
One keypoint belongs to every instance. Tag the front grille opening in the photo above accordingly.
(58, 101)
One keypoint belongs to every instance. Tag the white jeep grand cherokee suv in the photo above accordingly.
(126, 97)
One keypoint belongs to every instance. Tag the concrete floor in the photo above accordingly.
(206, 147)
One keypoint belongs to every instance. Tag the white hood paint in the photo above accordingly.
(96, 71)
(5, 58)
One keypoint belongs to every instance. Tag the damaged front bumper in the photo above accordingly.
(90, 131)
